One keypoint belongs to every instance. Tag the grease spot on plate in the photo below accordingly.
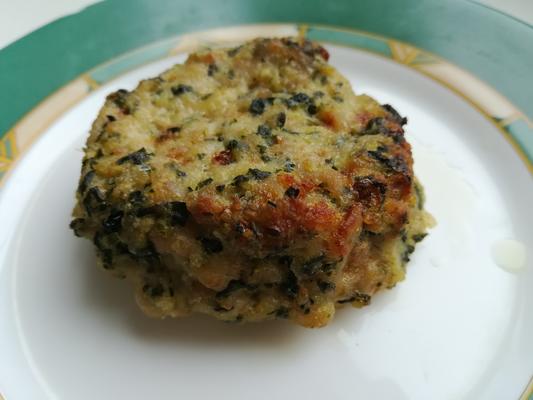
(509, 255)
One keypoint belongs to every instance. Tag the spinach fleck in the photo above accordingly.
(86, 180)
(211, 69)
(281, 119)
(325, 286)
(138, 157)
(179, 214)
(136, 198)
(257, 174)
(211, 245)
(204, 183)
(180, 89)
(313, 265)
(361, 298)
(94, 200)
(257, 107)
(395, 114)
(113, 223)
(292, 192)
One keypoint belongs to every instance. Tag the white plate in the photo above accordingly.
(460, 326)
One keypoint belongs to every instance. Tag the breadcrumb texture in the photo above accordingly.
(248, 184)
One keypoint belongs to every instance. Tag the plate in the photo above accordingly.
(459, 326)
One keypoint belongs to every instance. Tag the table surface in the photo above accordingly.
(18, 18)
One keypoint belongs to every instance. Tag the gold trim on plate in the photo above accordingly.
(528, 391)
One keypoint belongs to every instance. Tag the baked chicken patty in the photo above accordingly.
(248, 184)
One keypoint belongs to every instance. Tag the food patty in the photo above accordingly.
(248, 184)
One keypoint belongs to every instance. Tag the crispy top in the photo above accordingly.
(264, 146)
